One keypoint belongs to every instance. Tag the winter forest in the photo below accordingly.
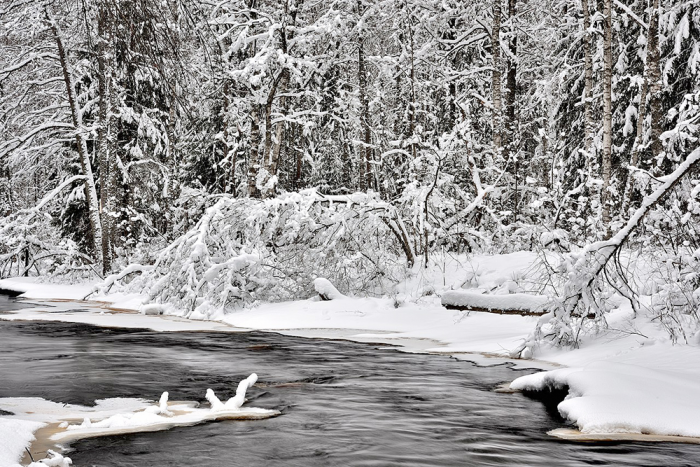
(506, 182)
(219, 154)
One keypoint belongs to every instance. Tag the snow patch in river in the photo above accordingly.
(69, 422)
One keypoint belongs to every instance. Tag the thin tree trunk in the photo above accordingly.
(654, 75)
(253, 158)
(509, 137)
(226, 133)
(76, 117)
(634, 158)
(267, 151)
(496, 78)
(285, 36)
(607, 116)
(588, 73)
(365, 151)
(412, 114)
(113, 179)
(279, 130)
(299, 161)
(104, 133)
(652, 86)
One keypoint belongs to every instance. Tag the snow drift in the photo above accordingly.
(606, 397)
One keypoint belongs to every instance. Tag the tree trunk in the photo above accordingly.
(588, 89)
(267, 150)
(496, 78)
(365, 152)
(253, 157)
(412, 104)
(104, 133)
(511, 90)
(76, 117)
(654, 76)
(607, 116)
(226, 134)
(652, 73)
(285, 36)
(634, 157)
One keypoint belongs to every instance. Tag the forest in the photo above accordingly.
(214, 154)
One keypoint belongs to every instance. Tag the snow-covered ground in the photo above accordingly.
(630, 379)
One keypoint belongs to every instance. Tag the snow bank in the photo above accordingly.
(15, 436)
(32, 287)
(606, 397)
(510, 303)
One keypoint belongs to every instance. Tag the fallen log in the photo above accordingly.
(511, 304)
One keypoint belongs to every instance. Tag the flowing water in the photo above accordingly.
(342, 403)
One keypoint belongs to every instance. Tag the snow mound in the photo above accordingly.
(326, 290)
(607, 397)
(511, 303)
(152, 309)
(54, 459)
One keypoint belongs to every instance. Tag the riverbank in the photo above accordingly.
(628, 380)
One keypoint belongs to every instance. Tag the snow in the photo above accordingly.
(15, 435)
(606, 397)
(32, 287)
(326, 290)
(109, 417)
(477, 301)
(54, 459)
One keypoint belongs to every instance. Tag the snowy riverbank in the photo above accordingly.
(629, 379)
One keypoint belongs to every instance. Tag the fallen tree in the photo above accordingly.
(582, 303)
(245, 250)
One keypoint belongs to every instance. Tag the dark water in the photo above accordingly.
(343, 403)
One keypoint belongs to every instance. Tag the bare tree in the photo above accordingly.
(76, 117)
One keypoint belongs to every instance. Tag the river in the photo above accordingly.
(342, 403)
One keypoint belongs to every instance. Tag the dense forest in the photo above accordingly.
(217, 153)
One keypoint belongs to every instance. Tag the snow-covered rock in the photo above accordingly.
(152, 309)
(326, 290)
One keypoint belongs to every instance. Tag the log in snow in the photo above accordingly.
(512, 304)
